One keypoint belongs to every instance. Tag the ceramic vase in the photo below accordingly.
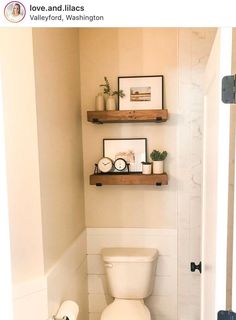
(99, 102)
(146, 168)
(158, 167)
(111, 103)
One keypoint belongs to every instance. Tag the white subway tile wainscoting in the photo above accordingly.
(67, 280)
(163, 301)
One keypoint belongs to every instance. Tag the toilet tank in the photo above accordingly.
(130, 271)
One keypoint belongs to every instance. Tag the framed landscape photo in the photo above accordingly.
(132, 150)
(141, 92)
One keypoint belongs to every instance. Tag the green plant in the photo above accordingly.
(156, 155)
(107, 89)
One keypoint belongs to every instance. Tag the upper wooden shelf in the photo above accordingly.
(119, 116)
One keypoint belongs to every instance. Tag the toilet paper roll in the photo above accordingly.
(68, 309)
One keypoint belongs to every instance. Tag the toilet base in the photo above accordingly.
(126, 310)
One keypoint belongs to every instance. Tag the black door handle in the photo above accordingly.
(194, 267)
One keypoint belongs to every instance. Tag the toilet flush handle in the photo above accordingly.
(108, 265)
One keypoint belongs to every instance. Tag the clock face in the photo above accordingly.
(105, 164)
(120, 164)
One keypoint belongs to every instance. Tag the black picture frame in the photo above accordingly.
(141, 92)
(133, 150)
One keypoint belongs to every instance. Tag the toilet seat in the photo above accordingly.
(126, 310)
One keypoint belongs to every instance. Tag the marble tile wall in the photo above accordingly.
(194, 49)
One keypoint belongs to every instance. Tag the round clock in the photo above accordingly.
(105, 164)
(120, 164)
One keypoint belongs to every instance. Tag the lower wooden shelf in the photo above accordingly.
(129, 179)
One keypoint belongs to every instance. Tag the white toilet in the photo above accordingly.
(130, 273)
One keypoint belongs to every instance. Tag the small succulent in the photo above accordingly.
(107, 89)
(156, 155)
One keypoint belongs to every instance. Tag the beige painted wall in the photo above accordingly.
(60, 142)
(17, 72)
(113, 53)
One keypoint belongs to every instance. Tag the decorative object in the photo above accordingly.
(141, 92)
(110, 102)
(158, 158)
(132, 150)
(121, 164)
(158, 167)
(105, 165)
(99, 102)
(146, 167)
(107, 89)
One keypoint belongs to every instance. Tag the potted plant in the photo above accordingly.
(110, 102)
(146, 167)
(158, 158)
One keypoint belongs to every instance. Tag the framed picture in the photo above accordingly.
(133, 150)
(141, 93)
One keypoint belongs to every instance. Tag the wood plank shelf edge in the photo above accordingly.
(129, 179)
(119, 116)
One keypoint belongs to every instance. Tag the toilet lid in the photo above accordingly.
(126, 310)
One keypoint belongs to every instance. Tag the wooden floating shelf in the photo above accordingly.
(129, 179)
(119, 116)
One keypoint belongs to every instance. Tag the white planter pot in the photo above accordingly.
(146, 168)
(111, 103)
(158, 167)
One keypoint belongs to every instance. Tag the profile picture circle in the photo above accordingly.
(14, 11)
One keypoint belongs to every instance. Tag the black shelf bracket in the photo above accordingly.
(98, 184)
(159, 119)
(96, 121)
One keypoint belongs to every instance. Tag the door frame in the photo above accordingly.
(222, 53)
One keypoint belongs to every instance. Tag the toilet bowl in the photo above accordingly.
(126, 310)
(130, 273)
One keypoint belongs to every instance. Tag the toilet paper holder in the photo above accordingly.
(64, 318)
(68, 310)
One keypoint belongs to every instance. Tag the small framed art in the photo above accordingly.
(132, 150)
(141, 92)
